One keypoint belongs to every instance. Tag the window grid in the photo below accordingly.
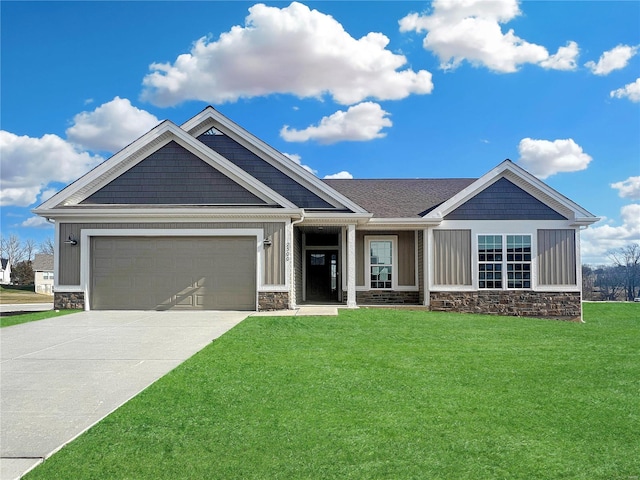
(490, 261)
(493, 260)
(381, 261)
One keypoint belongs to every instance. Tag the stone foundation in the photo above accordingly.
(273, 301)
(68, 300)
(387, 297)
(561, 305)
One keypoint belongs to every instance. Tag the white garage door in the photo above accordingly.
(158, 273)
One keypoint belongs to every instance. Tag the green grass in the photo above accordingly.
(22, 294)
(385, 394)
(9, 320)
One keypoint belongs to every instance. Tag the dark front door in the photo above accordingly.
(322, 276)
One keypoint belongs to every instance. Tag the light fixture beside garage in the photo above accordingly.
(267, 242)
(71, 240)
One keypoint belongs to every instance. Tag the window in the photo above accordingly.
(47, 275)
(381, 263)
(494, 261)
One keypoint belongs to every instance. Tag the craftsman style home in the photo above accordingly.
(207, 216)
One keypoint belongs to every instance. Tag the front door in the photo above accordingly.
(322, 276)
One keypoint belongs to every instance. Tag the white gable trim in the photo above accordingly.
(152, 141)
(527, 182)
(210, 117)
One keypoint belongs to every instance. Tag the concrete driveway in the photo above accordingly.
(60, 376)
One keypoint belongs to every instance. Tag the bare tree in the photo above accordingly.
(29, 247)
(12, 248)
(628, 259)
(47, 246)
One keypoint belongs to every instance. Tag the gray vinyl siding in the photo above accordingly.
(556, 257)
(406, 267)
(274, 265)
(264, 171)
(452, 257)
(173, 176)
(504, 200)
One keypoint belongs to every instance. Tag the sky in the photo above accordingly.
(363, 89)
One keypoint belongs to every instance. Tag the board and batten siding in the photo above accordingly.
(452, 257)
(557, 257)
(406, 256)
(274, 265)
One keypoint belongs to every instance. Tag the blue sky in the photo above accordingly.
(364, 89)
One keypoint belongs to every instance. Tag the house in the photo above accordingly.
(5, 271)
(207, 216)
(43, 273)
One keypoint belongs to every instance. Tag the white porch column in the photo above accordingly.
(351, 266)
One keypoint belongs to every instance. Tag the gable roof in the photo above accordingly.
(43, 262)
(399, 198)
(527, 182)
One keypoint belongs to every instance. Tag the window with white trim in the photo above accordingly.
(504, 261)
(381, 263)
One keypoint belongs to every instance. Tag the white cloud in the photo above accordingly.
(564, 59)
(470, 30)
(544, 158)
(631, 91)
(359, 123)
(36, 222)
(340, 175)
(298, 159)
(290, 50)
(602, 237)
(614, 59)
(629, 188)
(111, 126)
(29, 164)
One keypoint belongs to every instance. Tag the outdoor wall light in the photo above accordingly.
(267, 242)
(71, 240)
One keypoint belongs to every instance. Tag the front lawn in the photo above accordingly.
(22, 294)
(385, 394)
(9, 320)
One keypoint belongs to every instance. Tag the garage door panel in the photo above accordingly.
(173, 272)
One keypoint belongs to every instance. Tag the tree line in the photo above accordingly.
(618, 281)
(20, 254)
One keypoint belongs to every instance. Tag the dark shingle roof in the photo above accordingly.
(43, 263)
(400, 198)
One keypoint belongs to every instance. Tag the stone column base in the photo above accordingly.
(68, 300)
(268, 301)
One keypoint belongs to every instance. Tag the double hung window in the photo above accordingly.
(504, 261)
(381, 263)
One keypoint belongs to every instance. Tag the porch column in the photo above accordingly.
(351, 266)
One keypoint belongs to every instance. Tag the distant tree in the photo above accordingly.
(29, 247)
(47, 246)
(588, 283)
(627, 259)
(12, 248)
(22, 273)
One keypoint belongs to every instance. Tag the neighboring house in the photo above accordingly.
(207, 216)
(43, 273)
(5, 271)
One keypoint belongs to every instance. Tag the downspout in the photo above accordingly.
(292, 284)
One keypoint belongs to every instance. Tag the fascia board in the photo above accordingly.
(177, 213)
(148, 138)
(199, 124)
(163, 134)
(535, 185)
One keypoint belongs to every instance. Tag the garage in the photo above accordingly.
(160, 273)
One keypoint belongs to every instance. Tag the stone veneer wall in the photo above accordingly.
(68, 300)
(387, 297)
(562, 305)
(273, 301)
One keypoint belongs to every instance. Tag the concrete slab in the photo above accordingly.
(304, 311)
(62, 375)
(26, 307)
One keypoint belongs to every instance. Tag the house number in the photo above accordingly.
(287, 252)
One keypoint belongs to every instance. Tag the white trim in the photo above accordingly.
(351, 266)
(171, 215)
(426, 263)
(504, 262)
(394, 260)
(85, 248)
(203, 121)
(142, 148)
(531, 184)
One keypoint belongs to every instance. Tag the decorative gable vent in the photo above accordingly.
(212, 131)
